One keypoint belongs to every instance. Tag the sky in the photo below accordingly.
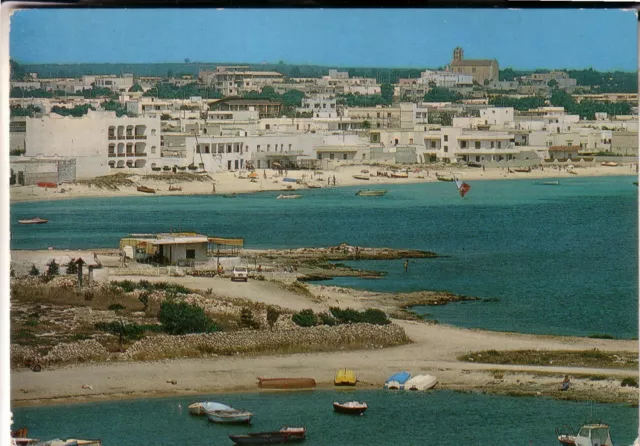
(521, 39)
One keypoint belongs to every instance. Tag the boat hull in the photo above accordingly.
(421, 382)
(33, 221)
(201, 408)
(371, 193)
(226, 418)
(276, 438)
(349, 410)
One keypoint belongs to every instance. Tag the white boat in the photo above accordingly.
(371, 193)
(33, 221)
(288, 196)
(71, 442)
(609, 164)
(202, 407)
(230, 416)
(596, 434)
(421, 382)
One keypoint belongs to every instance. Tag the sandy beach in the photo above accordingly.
(229, 182)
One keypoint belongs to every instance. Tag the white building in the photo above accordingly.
(100, 142)
(232, 80)
(319, 107)
(115, 83)
(446, 79)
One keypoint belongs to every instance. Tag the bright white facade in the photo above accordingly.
(446, 79)
(319, 107)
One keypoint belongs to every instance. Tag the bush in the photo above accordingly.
(305, 318)
(53, 269)
(144, 299)
(246, 319)
(351, 316)
(629, 382)
(327, 319)
(71, 267)
(34, 271)
(272, 316)
(179, 318)
(375, 317)
(124, 331)
(115, 307)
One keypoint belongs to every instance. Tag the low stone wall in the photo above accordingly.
(322, 338)
(81, 351)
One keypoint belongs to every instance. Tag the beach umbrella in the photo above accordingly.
(253, 175)
(276, 164)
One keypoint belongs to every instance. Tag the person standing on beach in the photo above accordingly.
(406, 265)
(334, 180)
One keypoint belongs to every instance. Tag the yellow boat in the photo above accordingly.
(345, 377)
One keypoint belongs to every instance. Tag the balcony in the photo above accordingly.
(112, 137)
(141, 137)
(120, 154)
(129, 154)
(129, 136)
(112, 155)
(141, 154)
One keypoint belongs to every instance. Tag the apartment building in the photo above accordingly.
(319, 106)
(446, 79)
(561, 79)
(99, 141)
(115, 83)
(233, 80)
(265, 107)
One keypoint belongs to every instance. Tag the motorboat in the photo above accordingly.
(286, 383)
(421, 382)
(33, 221)
(523, 169)
(441, 178)
(71, 442)
(397, 381)
(229, 416)
(345, 377)
(146, 190)
(400, 175)
(609, 164)
(549, 183)
(596, 434)
(201, 408)
(371, 193)
(284, 435)
(361, 177)
(289, 196)
(350, 408)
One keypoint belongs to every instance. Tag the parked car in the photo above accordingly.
(240, 273)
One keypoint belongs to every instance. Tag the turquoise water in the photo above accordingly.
(393, 418)
(560, 259)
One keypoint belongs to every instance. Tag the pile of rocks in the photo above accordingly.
(321, 338)
(81, 351)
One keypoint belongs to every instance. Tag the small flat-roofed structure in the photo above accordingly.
(166, 248)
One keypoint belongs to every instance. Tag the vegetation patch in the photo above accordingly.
(570, 358)
(184, 177)
(337, 316)
(109, 182)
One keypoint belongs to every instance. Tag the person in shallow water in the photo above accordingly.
(566, 383)
(406, 265)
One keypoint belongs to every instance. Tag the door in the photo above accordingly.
(191, 253)
(229, 165)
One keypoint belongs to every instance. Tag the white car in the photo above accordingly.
(240, 273)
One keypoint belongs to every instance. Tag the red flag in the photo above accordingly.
(463, 189)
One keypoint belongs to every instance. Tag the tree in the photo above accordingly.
(386, 91)
(179, 318)
(272, 316)
(246, 319)
(295, 72)
(53, 269)
(438, 94)
(124, 331)
(34, 271)
(135, 87)
(552, 83)
(72, 267)
(366, 125)
(170, 74)
(17, 72)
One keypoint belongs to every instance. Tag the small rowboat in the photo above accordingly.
(229, 416)
(608, 164)
(421, 382)
(440, 178)
(288, 196)
(350, 408)
(146, 190)
(399, 175)
(361, 177)
(549, 183)
(201, 408)
(345, 377)
(284, 435)
(523, 169)
(397, 381)
(33, 221)
(371, 193)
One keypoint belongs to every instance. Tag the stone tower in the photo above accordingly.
(458, 53)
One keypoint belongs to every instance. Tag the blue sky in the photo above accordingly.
(602, 39)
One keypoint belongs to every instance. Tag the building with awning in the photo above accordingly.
(224, 247)
(174, 248)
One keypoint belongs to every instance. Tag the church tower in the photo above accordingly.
(458, 53)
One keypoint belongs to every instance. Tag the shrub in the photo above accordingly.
(144, 299)
(53, 269)
(305, 318)
(124, 331)
(34, 271)
(246, 319)
(116, 307)
(629, 382)
(272, 316)
(327, 319)
(180, 318)
(346, 316)
(375, 317)
(71, 267)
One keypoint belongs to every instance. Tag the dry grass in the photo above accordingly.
(569, 358)
(184, 177)
(110, 182)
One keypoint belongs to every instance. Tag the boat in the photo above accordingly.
(20, 437)
(229, 416)
(421, 382)
(361, 177)
(608, 164)
(174, 188)
(441, 178)
(350, 408)
(286, 383)
(33, 221)
(397, 381)
(371, 193)
(290, 180)
(284, 435)
(288, 196)
(472, 164)
(146, 190)
(463, 188)
(523, 169)
(314, 186)
(596, 434)
(71, 442)
(345, 377)
(549, 183)
(202, 407)
(399, 175)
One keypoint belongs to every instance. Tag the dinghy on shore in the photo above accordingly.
(421, 382)
(397, 381)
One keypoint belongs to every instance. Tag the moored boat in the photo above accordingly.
(146, 190)
(441, 178)
(421, 382)
(71, 442)
(284, 435)
(286, 383)
(397, 381)
(399, 175)
(230, 416)
(371, 193)
(361, 177)
(201, 408)
(33, 221)
(609, 164)
(350, 407)
(345, 377)
(288, 196)
(523, 169)
(596, 434)
(549, 183)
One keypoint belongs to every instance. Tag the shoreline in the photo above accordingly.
(229, 183)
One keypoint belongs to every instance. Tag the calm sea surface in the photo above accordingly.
(560, 259)
(401, 418)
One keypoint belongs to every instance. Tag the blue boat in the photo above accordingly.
(397, 381)
(289, 180)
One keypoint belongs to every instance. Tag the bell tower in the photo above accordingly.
(458, 53)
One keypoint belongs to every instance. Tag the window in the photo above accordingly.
(446, 138)
(344, 156)
(499, 144)
(204, 131)
(378, 114)
(258, 148)
(410, 140)
(153, 149)
(191, 253)
(493, 144)
(569, 143)
(446, 148)
(268, 147)
(477, 144)
(463, 144)
(289, 147)
(331, 156)
(389, 115)
(433, 144)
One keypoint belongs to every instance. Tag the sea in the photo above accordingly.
(439, 417)
(545, 259)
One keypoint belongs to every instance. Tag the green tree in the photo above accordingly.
(170, 74)
(124, 331)
(179, 318)
(305, 318)
(366, 125)
(53, 269)
(34, 271)
(247, 320)
(272, 316)
(386, 91)
(72, 267)
(438, 94)
(295, 72)
(17, 72)
(552, 83)
(135, 87)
